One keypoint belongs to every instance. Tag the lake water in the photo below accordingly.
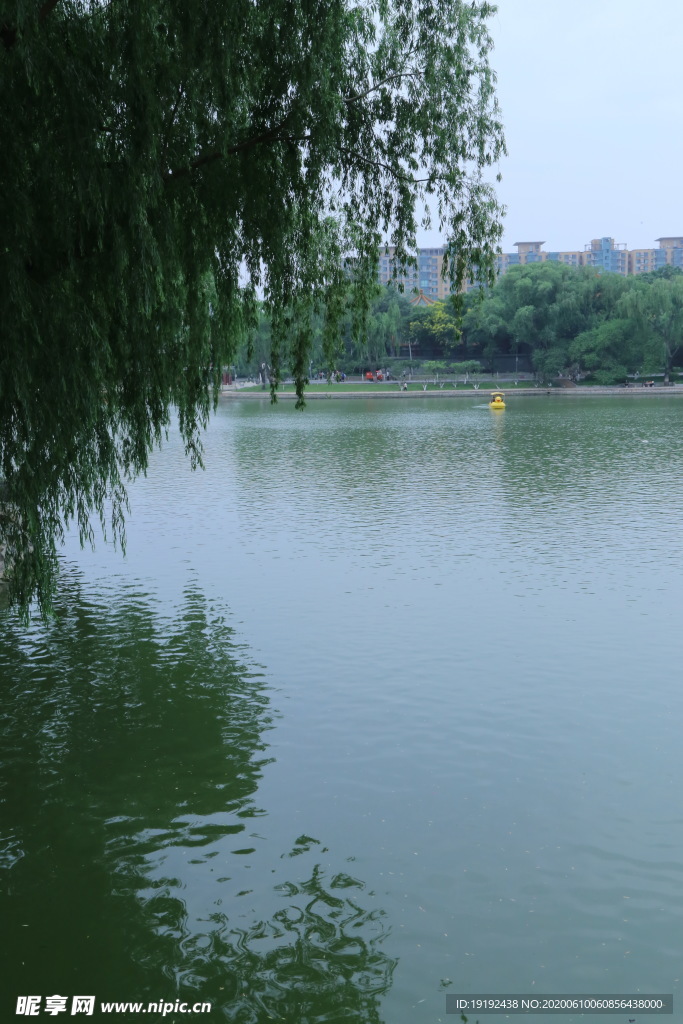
(383, 704)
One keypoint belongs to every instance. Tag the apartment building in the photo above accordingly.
(672, 248)
(425, 278)
(532, 252)
(602, 253)
(606, 254)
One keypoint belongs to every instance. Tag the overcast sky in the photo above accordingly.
(591, 93)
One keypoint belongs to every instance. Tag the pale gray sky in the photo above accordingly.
(592, 99)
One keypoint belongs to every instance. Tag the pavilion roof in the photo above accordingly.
(422, 300)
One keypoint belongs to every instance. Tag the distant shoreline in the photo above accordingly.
(510, 393)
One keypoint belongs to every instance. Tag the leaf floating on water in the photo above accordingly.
(344, 881)
(288, 888)
(302, 845)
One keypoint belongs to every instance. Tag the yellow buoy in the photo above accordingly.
(497, 400)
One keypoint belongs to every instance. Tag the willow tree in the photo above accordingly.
(656, 305)
(165, 163)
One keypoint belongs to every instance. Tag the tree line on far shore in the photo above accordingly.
(547, 318)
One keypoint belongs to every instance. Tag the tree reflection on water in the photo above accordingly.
(132, 749)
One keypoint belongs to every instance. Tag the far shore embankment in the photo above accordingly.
(417, 392)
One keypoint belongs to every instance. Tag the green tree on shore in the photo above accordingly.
(441, 324)
(657, 305)
(609, 350)
(164, 164)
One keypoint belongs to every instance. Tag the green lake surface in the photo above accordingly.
(384, 704)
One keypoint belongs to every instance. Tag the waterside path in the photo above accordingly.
(417, 392)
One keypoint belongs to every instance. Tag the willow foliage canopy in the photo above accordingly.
(163, 164)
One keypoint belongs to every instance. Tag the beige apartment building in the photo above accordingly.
(670, 252)
(425, 278)
(601, 253)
